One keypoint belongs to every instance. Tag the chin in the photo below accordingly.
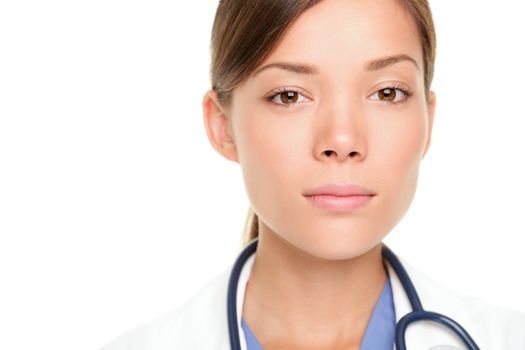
(337, 246)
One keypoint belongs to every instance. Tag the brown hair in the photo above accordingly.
(244, 33)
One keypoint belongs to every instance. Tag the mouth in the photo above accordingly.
(339, 196)
(331, 202)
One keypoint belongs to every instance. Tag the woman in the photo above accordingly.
(326, 105)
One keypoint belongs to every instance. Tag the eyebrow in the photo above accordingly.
(308, 69)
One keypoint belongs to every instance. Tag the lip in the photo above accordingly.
(339, 197)
(340, 190)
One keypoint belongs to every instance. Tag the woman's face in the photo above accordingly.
(342, 125)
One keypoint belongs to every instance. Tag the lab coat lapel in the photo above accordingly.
(241, 289)
(428, 334)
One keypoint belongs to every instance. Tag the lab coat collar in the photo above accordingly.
(436, 298)
(419, 335)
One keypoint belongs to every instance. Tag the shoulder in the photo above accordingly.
(141, 337)
(496, 322)
(495, 326)
(176, 329)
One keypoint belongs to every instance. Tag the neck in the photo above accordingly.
(296, 300)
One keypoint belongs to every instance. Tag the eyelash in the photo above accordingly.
(394, 86)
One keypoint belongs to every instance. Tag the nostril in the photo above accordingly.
(352, 154)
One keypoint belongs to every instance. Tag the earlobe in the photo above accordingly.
(431, 108)
(218, 128)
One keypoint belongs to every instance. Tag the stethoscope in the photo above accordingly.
(417, 314)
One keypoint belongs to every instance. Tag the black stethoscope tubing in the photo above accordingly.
(417, 314)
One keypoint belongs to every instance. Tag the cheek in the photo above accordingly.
(269, 156)
(398, 155)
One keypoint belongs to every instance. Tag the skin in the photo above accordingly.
(318, 273)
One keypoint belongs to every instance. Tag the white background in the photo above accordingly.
(114, 207)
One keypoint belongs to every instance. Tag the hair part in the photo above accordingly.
(245, 32)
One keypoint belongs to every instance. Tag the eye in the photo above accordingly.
(285, 97)
(393, 94)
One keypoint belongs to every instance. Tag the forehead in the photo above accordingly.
(344, 34)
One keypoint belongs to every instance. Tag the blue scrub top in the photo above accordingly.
(379, 334)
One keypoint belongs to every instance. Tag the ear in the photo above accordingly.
(218, 126)
(431, 108)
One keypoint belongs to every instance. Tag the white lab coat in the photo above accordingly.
(201, 322)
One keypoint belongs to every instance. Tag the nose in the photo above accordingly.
(339, 134)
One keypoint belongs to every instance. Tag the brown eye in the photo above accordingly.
(392, 95)
(387, 94)
(286, 98)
